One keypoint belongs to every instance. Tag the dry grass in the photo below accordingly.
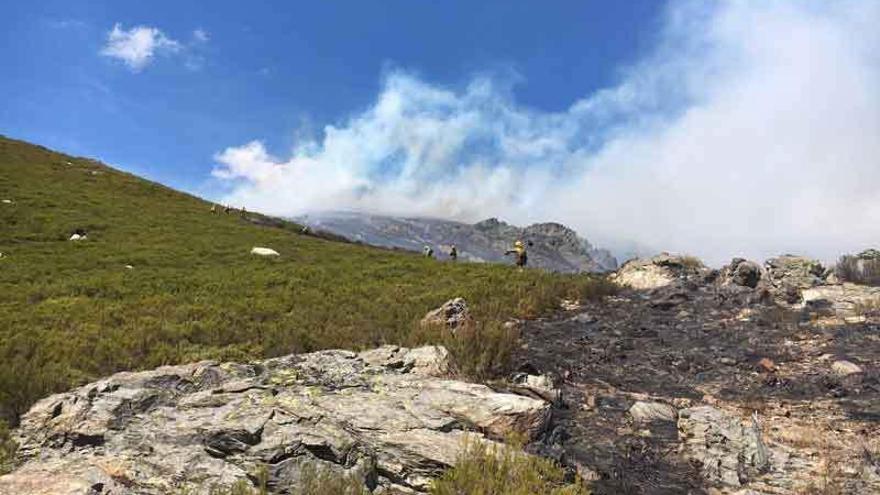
(486, 470)
(482, 351)
(7, 449)
(830, 479)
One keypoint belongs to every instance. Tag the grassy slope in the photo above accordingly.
(71, 311)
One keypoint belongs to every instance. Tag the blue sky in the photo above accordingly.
(714, 127)
(270, 69)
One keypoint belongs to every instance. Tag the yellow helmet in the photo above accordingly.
(518, 244)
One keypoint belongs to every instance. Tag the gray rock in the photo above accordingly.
(537, 386)
(659, 271)
(743, 273)
(845, 368)
(844, 300)
(452, 314)
(733, 454)
(646, 412)
(789, 275)
(379, 416)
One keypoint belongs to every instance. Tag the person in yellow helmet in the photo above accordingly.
(519, 250)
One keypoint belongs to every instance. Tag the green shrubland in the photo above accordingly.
(71, 311)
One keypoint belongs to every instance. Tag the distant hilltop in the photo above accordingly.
(551, 246)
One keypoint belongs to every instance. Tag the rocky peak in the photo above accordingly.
(552, 246)
(490, 224)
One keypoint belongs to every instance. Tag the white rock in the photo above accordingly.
(7, 201)
(845, 368)
(129, 267)
(77, 237)
(570, 305)
(652, 411)
(537, 386)
(264, 251)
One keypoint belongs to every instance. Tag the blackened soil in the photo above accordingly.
(693, 349)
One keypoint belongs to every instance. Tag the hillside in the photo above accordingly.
(553, 246)
(161, 280)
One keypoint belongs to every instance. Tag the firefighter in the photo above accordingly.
(519, 250)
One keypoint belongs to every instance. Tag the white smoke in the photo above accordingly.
(753, 129)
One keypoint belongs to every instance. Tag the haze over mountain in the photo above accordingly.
(552, 246)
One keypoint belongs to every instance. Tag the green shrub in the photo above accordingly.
(862, 269)
(482, 351)
(487, 470)
(7, 448)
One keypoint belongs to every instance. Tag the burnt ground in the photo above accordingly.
(699, 350)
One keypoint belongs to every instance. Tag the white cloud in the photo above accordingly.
(138, 46)
(200, 35)
(752, 129)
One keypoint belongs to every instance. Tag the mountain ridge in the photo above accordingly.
(551, 245)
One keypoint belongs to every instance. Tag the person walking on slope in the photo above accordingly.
(453, 253)
(519, 250)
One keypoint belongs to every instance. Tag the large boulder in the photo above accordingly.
(742, 273)
(658, 271)
(743, 282)
(380, 416)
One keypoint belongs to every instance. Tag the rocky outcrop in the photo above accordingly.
(646, 412)
(538, 386)
(380, 415)
(789, 275)
(743, 282)
(733, 454)
(742, 273)
(658, 271)
(844, 300)
(452, 314)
